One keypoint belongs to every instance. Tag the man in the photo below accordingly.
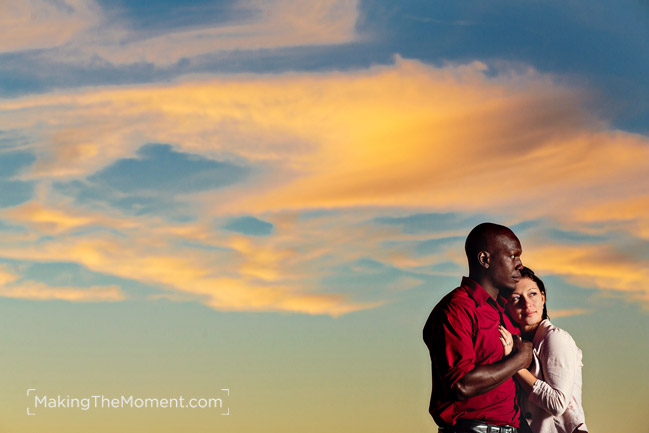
(473, 390)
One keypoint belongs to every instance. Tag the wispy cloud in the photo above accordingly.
(226, 272)
(48, 220)
(42, 24)
(44, 292)
(385, 141)
(569, 313)
(603, 265)
(268, 24)
(11, 286)
(83, 32)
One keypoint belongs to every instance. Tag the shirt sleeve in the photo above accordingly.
(457, 355)
(559, 364)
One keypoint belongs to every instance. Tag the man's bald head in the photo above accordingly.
(493, 252)
(484, 237)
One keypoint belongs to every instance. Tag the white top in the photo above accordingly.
(554, 404)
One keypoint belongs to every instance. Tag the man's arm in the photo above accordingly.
(484, 378)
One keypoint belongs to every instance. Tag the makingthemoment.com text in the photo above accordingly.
(102, 402)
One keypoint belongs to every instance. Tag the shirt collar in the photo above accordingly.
(479, 294)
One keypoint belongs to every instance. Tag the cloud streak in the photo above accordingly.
(42, 24)
(569, 313)
(11, 286)
(602, 266)
(271, 24)
(83, 32)
(387, 140)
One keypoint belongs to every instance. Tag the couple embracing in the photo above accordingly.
(498, 364)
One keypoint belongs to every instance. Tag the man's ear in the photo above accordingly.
(484, 258)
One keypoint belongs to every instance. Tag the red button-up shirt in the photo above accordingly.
(462, 333)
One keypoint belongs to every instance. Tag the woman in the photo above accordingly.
(553, 382)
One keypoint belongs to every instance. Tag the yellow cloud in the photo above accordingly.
(47, 220)
(630, 212)
(243, 277)
(555, 314)
(598, 266)
(239, 295)
(42, 292)
(63, 218)
(406, 136)
(7, 276)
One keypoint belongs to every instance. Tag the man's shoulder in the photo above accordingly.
(456, 298)
(456, 302)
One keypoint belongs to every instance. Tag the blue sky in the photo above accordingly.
(600, 44)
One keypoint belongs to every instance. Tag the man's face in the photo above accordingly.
(505, 261)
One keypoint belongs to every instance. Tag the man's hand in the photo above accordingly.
(484, 378)
(522, 350)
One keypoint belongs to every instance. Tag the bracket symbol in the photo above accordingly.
(28, 391)
(228, 391)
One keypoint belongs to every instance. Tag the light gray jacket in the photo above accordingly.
(554, 404)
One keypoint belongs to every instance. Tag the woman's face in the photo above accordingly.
(525, 304)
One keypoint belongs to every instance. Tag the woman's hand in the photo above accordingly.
(506, 339)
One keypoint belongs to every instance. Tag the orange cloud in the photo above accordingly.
(406, 137)
(47, 220)
(34, 24)
(630, 213)
(42, 292)
(60, 219)
(7, 277)
(246, 276)
(569, 313)
(409, 135)
(599, 266)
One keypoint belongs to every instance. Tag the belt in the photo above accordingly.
(475, 426)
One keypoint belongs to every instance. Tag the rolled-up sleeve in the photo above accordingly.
(559, 363)
(458, 356)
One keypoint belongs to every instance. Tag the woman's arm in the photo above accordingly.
(525, 378)
(559, 363)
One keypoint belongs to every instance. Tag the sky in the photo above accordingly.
(261, 201)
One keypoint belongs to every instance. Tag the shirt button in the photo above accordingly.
(528, 415)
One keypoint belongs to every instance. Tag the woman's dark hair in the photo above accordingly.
(528, 273)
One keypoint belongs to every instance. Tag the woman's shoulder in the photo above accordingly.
(554, 337)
